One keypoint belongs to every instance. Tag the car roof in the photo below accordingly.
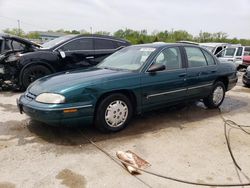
(188, 42)
(163, 44)
(102, 36)
(213, 44)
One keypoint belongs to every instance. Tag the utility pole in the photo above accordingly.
(19, 29)
(91, 30)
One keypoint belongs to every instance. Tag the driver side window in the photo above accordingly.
(170, 57)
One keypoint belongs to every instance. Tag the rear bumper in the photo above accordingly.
(232, 83)
(56, 115)
(245, 80)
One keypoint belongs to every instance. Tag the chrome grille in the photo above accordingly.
(30, 95)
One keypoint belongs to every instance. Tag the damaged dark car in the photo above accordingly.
(19, 68)
(10, 49)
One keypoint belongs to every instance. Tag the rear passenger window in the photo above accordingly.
(118, 44)
(209, 58)
(103, 44)
(195, 57)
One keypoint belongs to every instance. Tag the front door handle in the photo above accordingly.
(182, 75)
(213, 71)
(90, 57)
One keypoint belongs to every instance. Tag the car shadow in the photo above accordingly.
(171, 117)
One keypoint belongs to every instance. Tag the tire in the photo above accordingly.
(117, 105)
(213, 101)
(246, 85)
(32, 73)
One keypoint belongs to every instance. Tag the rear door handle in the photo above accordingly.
(203, 73)
(90, 57)
(199, 74)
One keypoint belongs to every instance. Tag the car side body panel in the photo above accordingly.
(84, 89)
(76, 56)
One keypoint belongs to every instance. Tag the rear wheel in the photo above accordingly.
(216, 97)
(247, 85)
(32, 73)
(245, 80)
(113, 113)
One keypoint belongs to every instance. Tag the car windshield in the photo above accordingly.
(56, 41)
(130, 58)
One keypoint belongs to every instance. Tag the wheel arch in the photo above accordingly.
(38, 62)
(128, 93)
(224, 80)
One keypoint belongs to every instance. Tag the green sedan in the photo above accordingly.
(132, 81)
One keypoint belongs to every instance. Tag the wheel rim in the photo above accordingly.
(33, 74)
(218, 95)
(116, 113)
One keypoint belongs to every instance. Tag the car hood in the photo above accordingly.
(59, 83)
(22, 40)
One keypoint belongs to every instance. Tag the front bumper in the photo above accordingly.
(54, 114)
(8, 77)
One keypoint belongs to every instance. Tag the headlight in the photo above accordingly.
(13, 58)
(50, 98)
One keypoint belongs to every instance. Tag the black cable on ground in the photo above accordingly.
(234, 125)
(229, 147)
(159, 175)
(111, 157)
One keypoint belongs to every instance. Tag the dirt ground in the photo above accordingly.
(185, 142)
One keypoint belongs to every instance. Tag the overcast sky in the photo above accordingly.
(230, 16)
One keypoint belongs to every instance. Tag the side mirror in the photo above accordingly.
(62, 54)
(156, 67)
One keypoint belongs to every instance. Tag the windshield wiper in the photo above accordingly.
(112, 68)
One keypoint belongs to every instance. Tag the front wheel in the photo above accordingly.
(32, 73)
(216, 97)
(113, 113)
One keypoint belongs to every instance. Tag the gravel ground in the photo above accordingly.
(186, 142)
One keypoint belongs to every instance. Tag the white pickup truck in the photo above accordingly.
(224, 51)
(233, 54)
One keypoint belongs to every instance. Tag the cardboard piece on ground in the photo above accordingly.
(133, 159)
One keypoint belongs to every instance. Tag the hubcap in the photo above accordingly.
(116, 113)
(218, 95)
